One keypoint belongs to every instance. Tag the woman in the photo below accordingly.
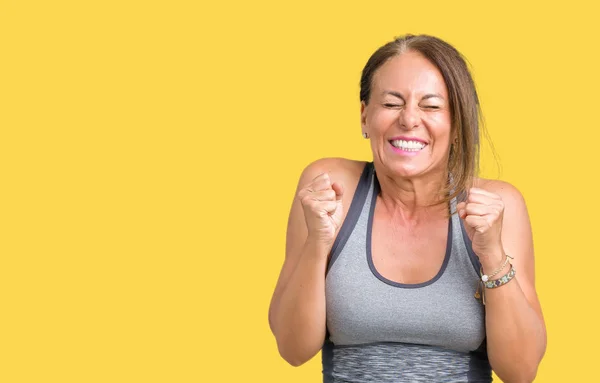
(386, 261)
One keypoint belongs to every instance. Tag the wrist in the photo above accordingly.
(492, 261)
(317, 247)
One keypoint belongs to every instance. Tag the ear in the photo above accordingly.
(363, 116)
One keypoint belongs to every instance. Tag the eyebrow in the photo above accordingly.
(427, 96)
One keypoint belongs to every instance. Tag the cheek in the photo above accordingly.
(440, 118)
(382, 118)
(440, 125)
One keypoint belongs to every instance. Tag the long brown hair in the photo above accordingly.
(465, 111)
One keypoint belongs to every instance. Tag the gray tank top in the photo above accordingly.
(382, 331)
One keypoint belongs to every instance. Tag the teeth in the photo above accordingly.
(408, 145)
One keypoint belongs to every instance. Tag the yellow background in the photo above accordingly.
(149, 153)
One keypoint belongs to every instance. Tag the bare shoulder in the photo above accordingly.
(336, 165)
(341, 170)
(511, 196)
(344, 172)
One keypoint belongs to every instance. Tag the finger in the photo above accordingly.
(483, 199)
(460, 208)
(317, 181)
(480, 209)
(327, 207)
(320, 176)
(339, 190)
(480, 224)
(321, 185)
(323, 182)
(479, 191)
(323, 195)
(480, 198)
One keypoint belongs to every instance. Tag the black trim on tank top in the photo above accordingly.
(469, 245)
(356, 206)
(478, 358)
(462, 196)
(376, 190)
(327, 360)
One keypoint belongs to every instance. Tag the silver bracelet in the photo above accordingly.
(486, 278)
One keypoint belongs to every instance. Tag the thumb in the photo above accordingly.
(460, 208)
(339, 191)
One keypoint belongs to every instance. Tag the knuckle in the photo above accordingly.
(306, 200)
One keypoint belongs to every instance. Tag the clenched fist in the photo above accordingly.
(482, 213)
(323, 211)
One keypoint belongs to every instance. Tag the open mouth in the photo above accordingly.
(408, 146)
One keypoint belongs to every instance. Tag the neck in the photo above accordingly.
(413, 198)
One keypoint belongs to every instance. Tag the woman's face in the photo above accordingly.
(408, 116)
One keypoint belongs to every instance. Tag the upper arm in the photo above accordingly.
(297, 231)
(517, 239)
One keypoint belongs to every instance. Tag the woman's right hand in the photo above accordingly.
(322, 204)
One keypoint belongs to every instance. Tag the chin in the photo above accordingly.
(406, 170)
(410, 170)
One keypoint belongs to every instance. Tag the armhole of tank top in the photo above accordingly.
(474, 259)
(358, 201)
(478, 358)
(327, 358)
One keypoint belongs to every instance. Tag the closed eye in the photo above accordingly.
(431, 107)
(391, 105)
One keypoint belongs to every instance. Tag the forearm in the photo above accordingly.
(516, 338)
(299, 315)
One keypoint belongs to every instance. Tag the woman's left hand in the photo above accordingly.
(482, 213)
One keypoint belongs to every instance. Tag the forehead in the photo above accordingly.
(409, 72)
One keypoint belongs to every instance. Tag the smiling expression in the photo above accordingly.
(408, 116)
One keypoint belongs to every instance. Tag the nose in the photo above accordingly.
(409, 117)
